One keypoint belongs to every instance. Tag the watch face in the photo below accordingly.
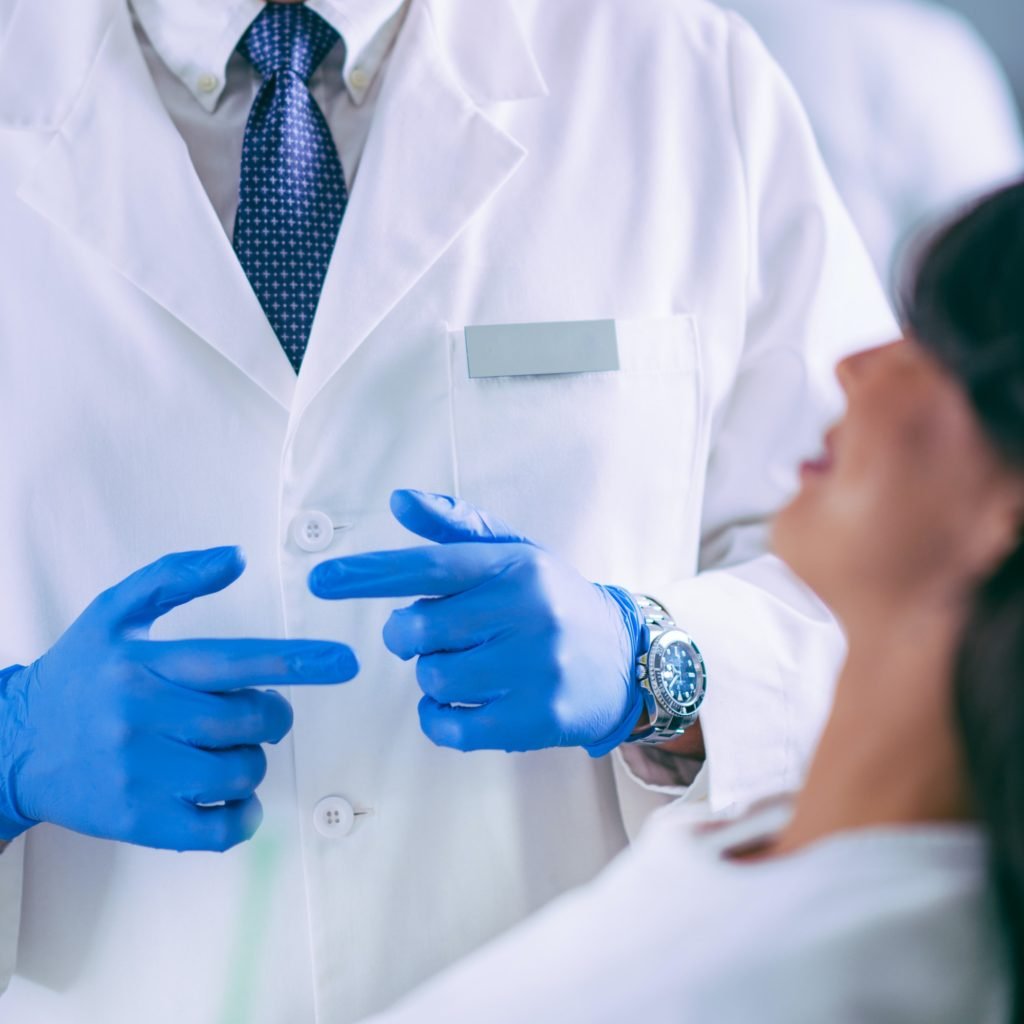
(677, 674)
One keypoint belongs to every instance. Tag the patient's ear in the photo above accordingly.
(997, 529)
(1009, 518)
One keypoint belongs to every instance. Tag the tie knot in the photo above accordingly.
(287, 37)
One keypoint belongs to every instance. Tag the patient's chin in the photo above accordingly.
(799, 538)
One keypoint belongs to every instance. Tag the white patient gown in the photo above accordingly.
(877, 926)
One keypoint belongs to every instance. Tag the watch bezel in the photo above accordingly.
(655, 660)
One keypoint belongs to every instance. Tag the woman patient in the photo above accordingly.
(892, 887)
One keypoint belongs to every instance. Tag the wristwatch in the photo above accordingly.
(671, 675)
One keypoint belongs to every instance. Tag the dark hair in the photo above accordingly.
(964, 301)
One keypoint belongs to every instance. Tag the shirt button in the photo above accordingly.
(359, 78)
(333, 817)
(208, 82)
(313, 531)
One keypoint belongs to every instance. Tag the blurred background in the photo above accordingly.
(1001, 23)
(917, 104)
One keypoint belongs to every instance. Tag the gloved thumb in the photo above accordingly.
(135, 603)
(447, 520)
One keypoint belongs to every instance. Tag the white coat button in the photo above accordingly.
(312, 531)
(333, 817)
(208, 82)
(359, 78)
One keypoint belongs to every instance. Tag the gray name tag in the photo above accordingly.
(519, 350)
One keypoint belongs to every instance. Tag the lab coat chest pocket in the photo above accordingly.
(604, 468)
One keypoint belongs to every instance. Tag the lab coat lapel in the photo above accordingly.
(432, 160)
(118, 177)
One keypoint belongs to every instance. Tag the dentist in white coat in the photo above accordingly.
(506, 162)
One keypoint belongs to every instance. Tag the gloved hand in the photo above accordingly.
(120, 737)
(517, 651)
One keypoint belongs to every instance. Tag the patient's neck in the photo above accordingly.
(890, 753)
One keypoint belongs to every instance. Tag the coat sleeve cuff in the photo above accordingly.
(646, 780)
(773, 652)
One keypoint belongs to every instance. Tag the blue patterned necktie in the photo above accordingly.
(293, 195)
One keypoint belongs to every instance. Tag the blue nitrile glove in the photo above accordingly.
(541, 656)
(122, 737)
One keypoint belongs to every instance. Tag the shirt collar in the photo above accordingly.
(196, 38)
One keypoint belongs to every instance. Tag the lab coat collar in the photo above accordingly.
(196, 38)
(46, 56)
(117, 178)
(488, 49)
(50, 47)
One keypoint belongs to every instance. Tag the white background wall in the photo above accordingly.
(1002, 24)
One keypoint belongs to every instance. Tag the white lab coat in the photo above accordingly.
(911, 109)
(892, 925)
(529, 161)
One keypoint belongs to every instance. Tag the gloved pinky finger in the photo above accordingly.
(217, 829)
(468, 728)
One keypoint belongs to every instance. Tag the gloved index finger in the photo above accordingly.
(221, 665)
(433, 571)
